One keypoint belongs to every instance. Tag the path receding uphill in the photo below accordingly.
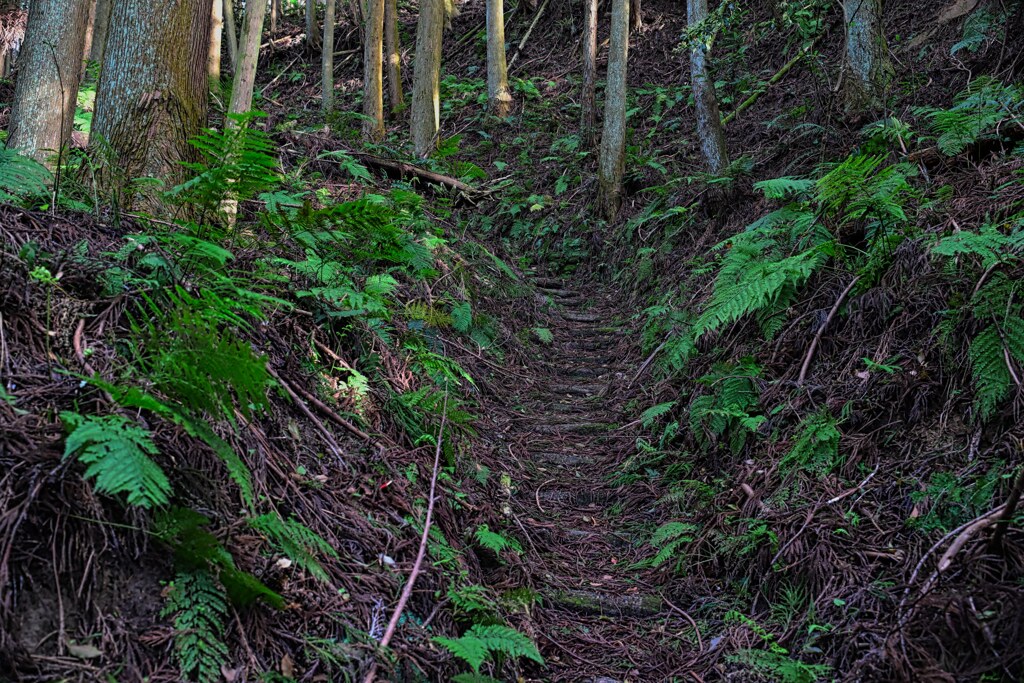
(598, 620)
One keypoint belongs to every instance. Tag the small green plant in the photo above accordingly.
(816, 446)
(21, 177)
(480, 643)
(496, 542)
(730, 408)
(670, 538)
(295, 540)
(976, 112)
(199, 606)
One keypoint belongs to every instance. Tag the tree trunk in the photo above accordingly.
(588, 96)
(869, 71)
(152, 95)
(327, 59)
(612, 162)
(248, 57)
(216, 37)
(312, 35)
(709, 121)
(426, 76)
(87, 42)
(373, 76)
(229, 22)
(50, 70)
(394, 57)
(499, 99)
(275, 9)
(636, 18)
(99, 30)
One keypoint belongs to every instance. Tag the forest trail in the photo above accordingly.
(597, 620)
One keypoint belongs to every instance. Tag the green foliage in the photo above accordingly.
(22, 177)
(991, 353)
(976, 112)
(200, 610)
(117, 454)
(816, 446)
(669, 539)
(976, 30)
(496, 542)
(731, 406)
(950, 499)
(779, 667)
(482, 642)
(295, 540)
(989, 244)
(474, 602)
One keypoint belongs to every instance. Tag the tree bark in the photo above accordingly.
(50, 70)
(499, 99)
(275, 11)
(426, 76)
(636, 18)
(868, 68)
(393, 55)
(100, 27)
(709, 121)
(312, 34)
(248, 57)
(232, 30)
(588, 96)
(152, 95)
(327, 59)
(611, 161)
(216, 37)
(373, 74)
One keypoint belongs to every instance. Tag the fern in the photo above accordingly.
(117, 454)
(462, 316)
(816, 447)
(992, 378)
(668, 539)
(294, 539)
(473, 601)
(989, 244)
(975, 33)
(977, 111)
(496, 542)
(731, 406)
(779, 666)
(482, 642)
(784, 187)
(21, 177)
(543, 334)
(200, 610)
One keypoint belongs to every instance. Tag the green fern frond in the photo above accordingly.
(21, 177)
(496, 542)
(200, 610)
(816, 447)
(294, 539)
(976, 112)
(784, 187)
(462, 316)
(992, 378)
(483, 641)
(117, 454)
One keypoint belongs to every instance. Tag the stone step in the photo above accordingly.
(578, 389)
(573, 428)
(576, 498)
(593, 602)
(578, 317)
(562, 459)
(546, 281)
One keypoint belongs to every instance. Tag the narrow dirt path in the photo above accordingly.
(598, 619)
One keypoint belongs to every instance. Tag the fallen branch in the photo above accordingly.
(526, 36)
(779, 75)
(309, 413)
(821, 330)
(403, 600)
(404, 170)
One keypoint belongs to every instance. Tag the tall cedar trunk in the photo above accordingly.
(312, 35)
(393, 55)
(499, 99)
(426, 76)
(248, 57)
(588, 96)
(636, 17)
(152, 95)
(709, 121)
(275, 8)
(216, 37)
(232, 31)
(611, 162)
(49, 71)
(327, 59)
(100, 24)
(869, 71)
(87, 42)
(373, 71)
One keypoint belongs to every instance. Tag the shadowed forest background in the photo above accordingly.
(609, 341)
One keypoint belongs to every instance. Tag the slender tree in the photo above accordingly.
(327, 59)
(636, 17)
(232, 31)
(499, 99)
(100, 25)
(373, 75)
(393, 55)
(709, 121)
(312, 34)
(50, 70)
(588, 96)
(611, 160)
(869, 70)
(426, 77)
(152, 94)
(216, 37)
(275, 12)
(248, 57)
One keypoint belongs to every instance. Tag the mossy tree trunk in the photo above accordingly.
(869, 70)
(588, 94)
(709, 121)
(396, 98)
(499, 99)
(49, 72)
(152, 95)
(426, 77)
(373, 72)
(327, 59)
(611, 161)
(248, 57)
(216, 37)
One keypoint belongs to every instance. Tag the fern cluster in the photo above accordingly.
(816, 445)
(730, 408)
(199, 606)
(483, 642)
(976, 112)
